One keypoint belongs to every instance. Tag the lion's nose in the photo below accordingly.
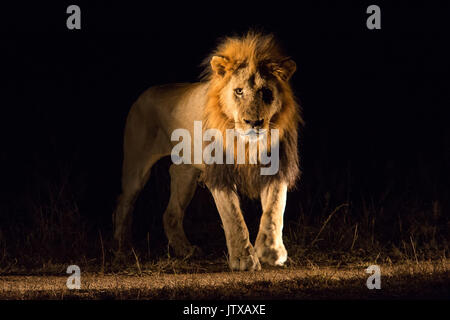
(255, 123)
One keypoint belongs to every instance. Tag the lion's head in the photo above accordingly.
(249, 91)
(249, 85)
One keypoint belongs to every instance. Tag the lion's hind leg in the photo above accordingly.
(183, 183)
(144, 145)
(133, 180)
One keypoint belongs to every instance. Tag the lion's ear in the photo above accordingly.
(219, 64)
(284, 69)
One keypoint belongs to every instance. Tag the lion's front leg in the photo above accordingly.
(241, 252)
(269, 242)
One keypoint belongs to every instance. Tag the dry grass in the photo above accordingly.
(408, 280)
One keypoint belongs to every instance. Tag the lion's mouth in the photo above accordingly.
(252, 134)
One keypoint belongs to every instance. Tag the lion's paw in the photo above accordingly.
(245, 263)
(188, 251)
(270, 252)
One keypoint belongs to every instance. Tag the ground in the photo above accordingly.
(330, 245)
(180, 279)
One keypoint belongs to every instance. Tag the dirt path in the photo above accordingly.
(424, 280)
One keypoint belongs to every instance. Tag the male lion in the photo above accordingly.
(245, 85)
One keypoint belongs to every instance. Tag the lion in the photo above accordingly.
(245, 84)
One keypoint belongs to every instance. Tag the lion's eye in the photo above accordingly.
(267, 95)
(238, 91)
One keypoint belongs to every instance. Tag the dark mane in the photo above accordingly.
(247, 178)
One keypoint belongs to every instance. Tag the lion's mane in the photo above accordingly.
(260, 52)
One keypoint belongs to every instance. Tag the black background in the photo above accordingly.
(376, 102)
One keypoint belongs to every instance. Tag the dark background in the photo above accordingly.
(376, 105)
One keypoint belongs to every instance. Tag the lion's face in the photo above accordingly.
(250, 99)
(251, 94)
